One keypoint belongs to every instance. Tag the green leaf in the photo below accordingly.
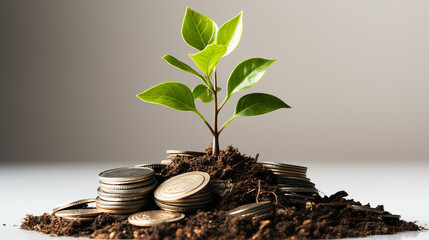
(229, 33)
(256, 104)
(247, 74)
(198, 30)
(182, 66)
(170, 94)
(207, 59)
(203, 93)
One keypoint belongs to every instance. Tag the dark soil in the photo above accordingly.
(328, 217)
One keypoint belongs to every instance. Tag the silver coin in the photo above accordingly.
(122, 203)
(197, 203)
(298, 190)
(182, 186)
(140, 190)
(180, 209)
(149, 218)
(367, 209)
(256, 212)
(152, 165)
(102, 194)
(126, 175)
(283, 165)
(250, 207)
(77, 203)
(127, 186)
(83, 219)
(120, 211)
(111, 207)
(185, 152)
(84, 212)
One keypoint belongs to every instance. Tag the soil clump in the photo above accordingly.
(246, 181)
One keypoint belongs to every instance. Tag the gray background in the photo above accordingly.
(355, 72)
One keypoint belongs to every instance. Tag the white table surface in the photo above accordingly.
(402, 188)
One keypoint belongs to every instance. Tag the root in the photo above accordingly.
(259, 191)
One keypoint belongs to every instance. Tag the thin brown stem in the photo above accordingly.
(216, 111)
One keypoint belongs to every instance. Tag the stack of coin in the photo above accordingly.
(150, 218)
(255, 210)
(292, 180)
(125, 190)
(185, 192)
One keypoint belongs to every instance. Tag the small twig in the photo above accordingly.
(256, 157)
(259, 191)
(249, 191)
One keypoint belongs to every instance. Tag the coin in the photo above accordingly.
(139, 190)
(84, 212)
(84, 219)
(184, 152)
(187, 203)
(154, 166)
(119, 211)
(250, 207)
(299, 190)
(149, 218)
(121, 203)
(73, 204)
(112, 207)
(126, 186)
(118, 195)
(126, 175)
(367, 209)
(283, 165)
(182, 186)
(178, 209)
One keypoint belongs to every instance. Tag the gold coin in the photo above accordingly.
(182, 186)
(149, 218)
(77, 203)
(85, 212)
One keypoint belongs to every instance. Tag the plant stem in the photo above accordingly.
(215, 150)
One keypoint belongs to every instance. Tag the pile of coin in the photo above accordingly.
(292, 180)
(255, 210)
(171, 154)
(149, 218)
(185, 192)
(125, 190)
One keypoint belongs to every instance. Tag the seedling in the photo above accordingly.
(213, 43)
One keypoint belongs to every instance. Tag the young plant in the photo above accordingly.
(213, 43)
